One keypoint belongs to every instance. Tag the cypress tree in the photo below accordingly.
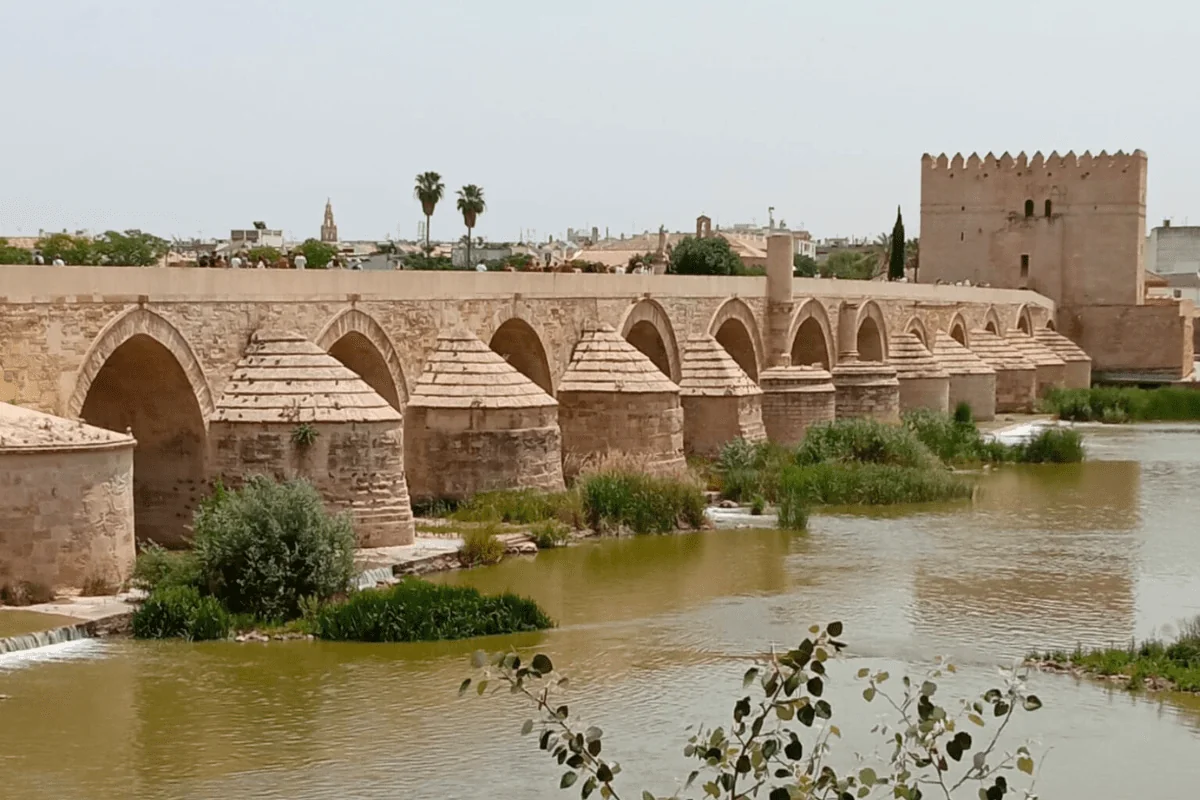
(896, 260)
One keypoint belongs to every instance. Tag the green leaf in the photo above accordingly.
(864, 672)
(647, 796)
(1032, 703)
(794, 749)
(542, 663)
(743, 764)
(561, 712)
(691, 779)
(481, 687)
(815, 687)
(593, 747)
(1000, 709)
(834, 628)
(604, 773)
(824, 711)
(770, 748)
(749, 677)
(869, 693)
(928, 688)
(479, 659)
(589, 786)
(568, 780)
(780, 794)
(462, 688)
(1025, 764)
(527, 728)
(881, 677)
(592, 733)
(978, 720)
(867, 776)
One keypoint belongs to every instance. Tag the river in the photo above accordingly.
(655, 632)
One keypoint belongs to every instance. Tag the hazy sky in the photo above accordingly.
(194, 116)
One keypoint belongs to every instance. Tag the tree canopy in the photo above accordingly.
(896, 254)
(471, 203)
(850, 265)
(318, 253)
(14, 255)
(708, 256)
(133, 248)
(805, 266)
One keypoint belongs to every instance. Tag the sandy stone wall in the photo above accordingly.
(977, 391)
(644, 426)
(931, 393)
(866, 389)
(710, 422)
(795, 398)
(1155, 338)
(67, 516)
(1016, 389)
(456, 453)
(357, 467)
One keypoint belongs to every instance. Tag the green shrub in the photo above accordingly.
(262, 548)
(1177, 661)
(1052, 446)
(159, 568)
(746, 469)
(642, 503)
(758, 504)
(181, 612)
(480, 546)
(793, 499)
(952, 441)
(25, 593)
(963, 414)
(710, 256)
(417, 611)
(866, 441)
(872, 484)
(550, 534)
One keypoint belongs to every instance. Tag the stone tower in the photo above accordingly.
(329, 227)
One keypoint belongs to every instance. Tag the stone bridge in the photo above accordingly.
(152, 350)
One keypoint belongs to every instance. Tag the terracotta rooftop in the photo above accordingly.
(956, 359)
(23, 429)
(604, 362)
(1061, 346)
(1035, 351)
(463, 372)
(284, 377)
(911, 359)
(998, 352)
(708, 370)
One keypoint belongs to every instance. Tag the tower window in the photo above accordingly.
(1029, 208)
(1024, 265)
(961, 235)
(1048, 207)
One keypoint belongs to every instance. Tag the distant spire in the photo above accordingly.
(329, 231)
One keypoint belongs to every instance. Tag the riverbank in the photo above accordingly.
(1154, 665)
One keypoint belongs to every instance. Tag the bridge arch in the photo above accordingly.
(958, 329)
(141, 375)
(735, 328)
(871, 333)
(1050, 325)
(647, 327)
(811, 336)
(356, 339)
(916, 327)
(522, 347)
(1024, 320)
(991, 322)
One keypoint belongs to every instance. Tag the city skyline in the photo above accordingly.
(182, 124)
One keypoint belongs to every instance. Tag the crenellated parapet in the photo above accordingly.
(1084, 163)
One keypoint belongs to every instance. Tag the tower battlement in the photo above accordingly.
(1086, 162)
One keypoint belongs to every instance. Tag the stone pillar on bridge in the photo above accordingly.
(862, 388)
(780, 298)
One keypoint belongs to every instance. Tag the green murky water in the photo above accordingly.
(15, 622)
(654, 632)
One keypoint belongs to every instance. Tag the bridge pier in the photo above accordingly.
(780, 298)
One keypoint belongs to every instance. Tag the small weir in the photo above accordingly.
(29, 641)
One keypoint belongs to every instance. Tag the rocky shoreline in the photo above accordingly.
(1152, 683)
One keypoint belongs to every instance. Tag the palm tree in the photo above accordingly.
(429, 191)
(470, 203)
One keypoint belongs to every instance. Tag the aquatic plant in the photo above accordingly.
(1153, 663)
(263, 547)
(181, 612)
(872, 484)
(521, 507)
(1051, 446)
(793, 501)
(867, 441)
(758, 504)
(745, 469)
(641, 503)
(480, 546)
(1113, 404)
(550, 534)
(417, 611)
(778, 743)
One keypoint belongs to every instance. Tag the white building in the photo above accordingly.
(1173, 250)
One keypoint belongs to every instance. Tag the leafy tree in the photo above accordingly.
(777, 744)
(471, 204)
(708, 256)
(912, 250)
(133, 248)
(806, 266)
(75, 251)
(426, 262)
(318, 253)
(269, 256)
(850, 265)
(429, 190)
(14, 255)
(896, 257)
